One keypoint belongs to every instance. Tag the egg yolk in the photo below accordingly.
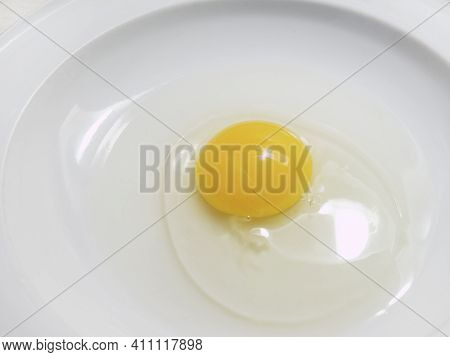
(253, 169)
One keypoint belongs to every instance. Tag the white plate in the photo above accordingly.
(69, 147)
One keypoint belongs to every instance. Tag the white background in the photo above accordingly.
(24, 7)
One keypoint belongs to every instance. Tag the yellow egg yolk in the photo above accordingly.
(253, 169)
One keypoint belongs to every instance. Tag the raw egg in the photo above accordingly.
(292, 266)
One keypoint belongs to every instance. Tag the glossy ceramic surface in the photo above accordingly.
(69, 145)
